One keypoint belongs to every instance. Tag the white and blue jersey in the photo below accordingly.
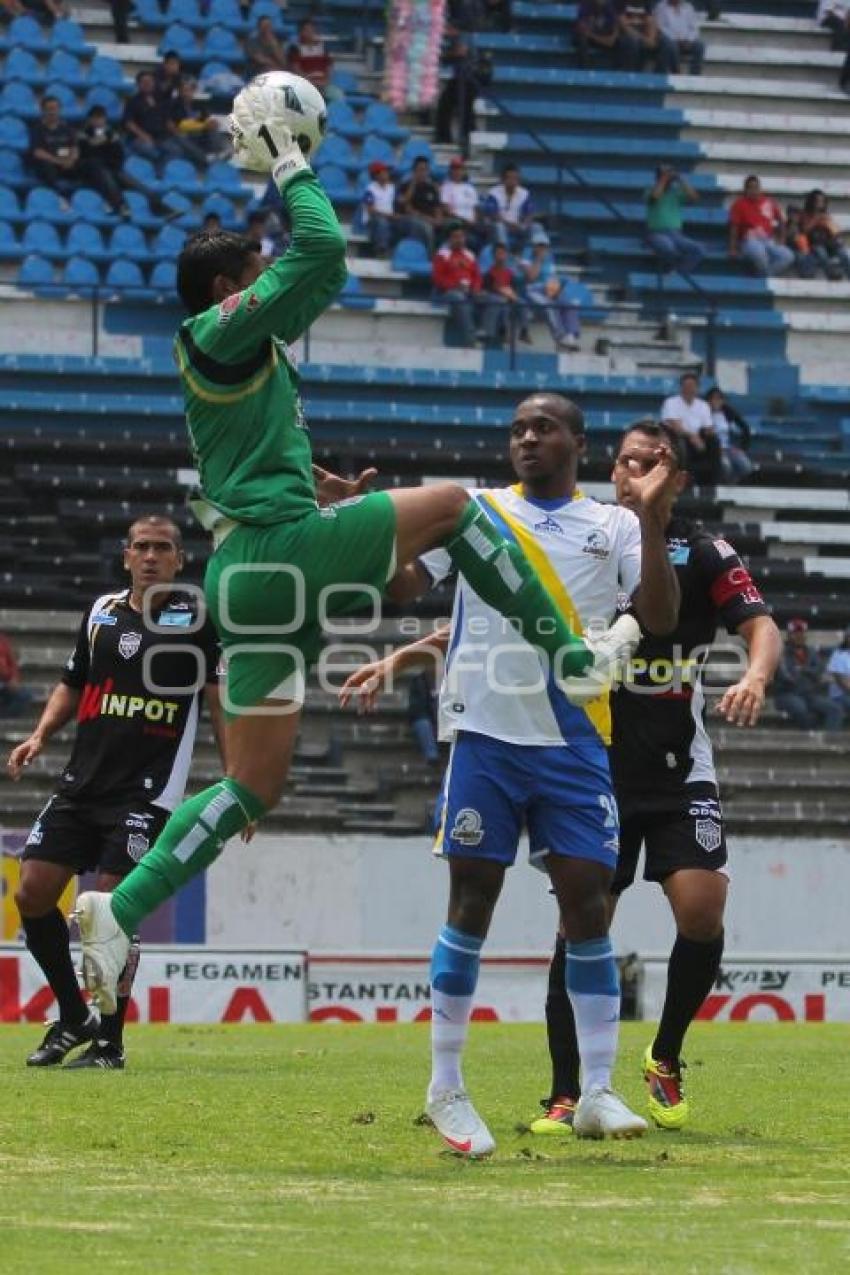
(521, 752)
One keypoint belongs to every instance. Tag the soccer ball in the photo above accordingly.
(292, 100)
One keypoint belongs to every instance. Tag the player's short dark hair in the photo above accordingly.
(510, 168)
(49, 97)
(573, 416)
(205, 255)
(156, 520)
(659, 431)
(689, 376)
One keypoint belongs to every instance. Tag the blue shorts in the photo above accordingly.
(562, 794)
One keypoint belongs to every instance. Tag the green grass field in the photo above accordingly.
(297, 1149)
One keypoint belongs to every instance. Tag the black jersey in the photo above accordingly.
(137, 716)
(659, 740)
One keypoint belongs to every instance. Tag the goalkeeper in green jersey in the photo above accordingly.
(284, 560)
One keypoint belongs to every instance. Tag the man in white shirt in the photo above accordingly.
(509, 209)
(523, 755)
(838, 672)
(460, 200)
(678, 21)
(690, 416)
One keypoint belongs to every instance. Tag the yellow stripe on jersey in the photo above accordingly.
(598, 710)
(232, 396)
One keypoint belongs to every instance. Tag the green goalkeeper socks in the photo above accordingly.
(501, 575)
(191, 840)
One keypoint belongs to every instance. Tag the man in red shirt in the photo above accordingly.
(500, 292)
(757, 231)
(310, 58)
(14, 698)
(457, 280)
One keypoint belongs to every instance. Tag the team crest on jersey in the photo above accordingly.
(597, 545)
(229, 306)
(468, 829)
(137, 846)
(128, 644)
(708, 834)
(36, 834)
(549, 527)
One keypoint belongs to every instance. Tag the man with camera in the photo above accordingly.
(675, 251)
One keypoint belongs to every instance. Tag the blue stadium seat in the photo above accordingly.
(377, 149)
(13, 136)
(229, 14)
(12, 168)
(44, 204)
(344, 80)
(35, 272)
(188, 14)
(85, 240)
(335, 182)
(215, 203)
(336, 151)
(22, 65)
(223, 176)
(181, 175)
(223, 45)
(140, 210)
(110, 72)
(352, 295)
(343, 121)
(182, 205)
(17, 98)
(267, 9)
(150, 15)
(164, 278)
(10, 248)
(168, 242)
(129, 241)
(143, 171)
(80, 273)
(69, 35)
(218, 78)
(42, 239)
(102, 95)
(381, 118)
(89, 206)
(179, 39)
(411, 257)
(126, 276)
(26, 33)
(67, 68)
(416, 148)
(10, 209)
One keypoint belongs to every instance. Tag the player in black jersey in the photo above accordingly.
(137, 709)
(666, 786)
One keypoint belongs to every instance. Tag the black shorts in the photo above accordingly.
(681, 829)
(87, 837)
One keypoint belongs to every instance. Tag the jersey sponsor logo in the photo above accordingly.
(468, 828)
(103, 617)
(136, 820)
(549, 527)
(99, 701)
(679, 552)
(137, 846)
(36, 834)
(228, 307)
(128, 644)
(175, 619)
(736, 583)
(597, 545)
(708, 834)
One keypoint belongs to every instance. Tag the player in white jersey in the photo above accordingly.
(522, 754)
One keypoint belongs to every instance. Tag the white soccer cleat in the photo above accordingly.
(459, 1124)
(615, 646)
(105, 948)
(601, 1114)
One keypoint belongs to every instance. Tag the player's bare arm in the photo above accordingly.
(742, 703)
(649, 483)
(59, 709)
(368, 681)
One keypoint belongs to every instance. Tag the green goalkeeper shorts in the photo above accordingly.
(270, 589)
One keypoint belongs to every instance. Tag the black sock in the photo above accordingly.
(112, 1025)
(47, 939)
(561, 1029)
(691, 972)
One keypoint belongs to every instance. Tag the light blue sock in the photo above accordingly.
(593, 986)
(454, 977)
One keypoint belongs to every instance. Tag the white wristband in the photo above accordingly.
(290, 163)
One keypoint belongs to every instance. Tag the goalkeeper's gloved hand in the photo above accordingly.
(263, 141)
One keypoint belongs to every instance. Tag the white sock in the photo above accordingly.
(449, 1026)
(597, 1031)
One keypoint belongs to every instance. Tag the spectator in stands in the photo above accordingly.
(459, 199)
(192, 120)
(690, 417)
(838, 675)
(545, 288)
(675, 251)
(502, 307)
(733, 435)
(678, 21)
(805, 264)
(309, 57)
(418, 202)
(151, 130)
(264, 228)
(13, 8)
(46, 10)
(823, 236)
(55, 159)
(654, 49)
(379, 213)
(600, 31)
(264, 50)
(121, 10)
(757, 231)
(470, 72)
(834, 15)
(168, 78)
(422, 714)
(457, 280)
(14, 698)
(798, 684)
(509, 211)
